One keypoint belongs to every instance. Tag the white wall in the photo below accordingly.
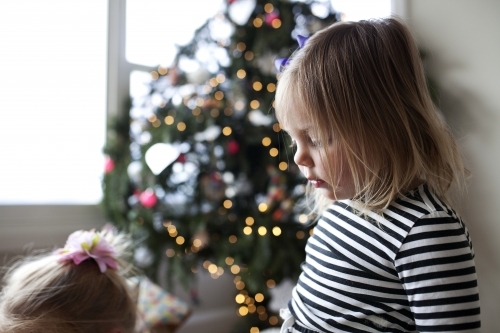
(463, 41)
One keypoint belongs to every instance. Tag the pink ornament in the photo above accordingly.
(270, 17)
(233, 147)
(148, 198)
(109, 164)
(182, 158)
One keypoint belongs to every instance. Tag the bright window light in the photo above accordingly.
(53, 101)
(356, 10)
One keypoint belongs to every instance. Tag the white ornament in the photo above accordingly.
(210, 134)
(240, 11)
(257, 118)
(161, 155)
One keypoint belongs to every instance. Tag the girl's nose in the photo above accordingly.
(302, 157)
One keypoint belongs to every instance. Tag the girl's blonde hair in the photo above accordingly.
(42, 295)
(363, 84)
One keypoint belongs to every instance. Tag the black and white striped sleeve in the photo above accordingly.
(436, 266)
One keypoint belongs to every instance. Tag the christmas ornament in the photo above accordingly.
(233, 147)
(161, 155)
(148, 198)
(109, 164)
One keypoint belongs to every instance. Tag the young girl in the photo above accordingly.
(83, 288)
(388, 253)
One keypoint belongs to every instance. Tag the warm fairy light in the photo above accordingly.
(229, 261)
(302, 218)
(268, 8)
(261, 309)
(170, 253)
(194, 269)
(259, 297)
(243, 311)
(240, 298)
(152, 118)
(273, 320)
(227, 204)
(219, 95)
(249, 220)
(156, 123)
(257, 86)
(270, 283)
(248, 55)
(173, 233)
(266, 141)
(228, 111)
(197, 242)
(227, 131)
(181, 126)
(283, 166)
(194, 249)
(206, 263)
(213, 82)
(166, 224)
(196, 111)
(154, 75)
(239, 105)
(276, 231)
(262, 230)
(241, 73)
(271, 87)
(200, 101)
(254, 104)
(233, 239)
(171, 227)
(214, 113)
(273, 152)
(162, 70)
(257, 22)
(276, 23)
(180, 240)
(262, 207)
(276, 127)
(252, 308)
(241, 46)
(207, 89)
(263, 316)
(300, 234)
(212, 268)
(220, 78)
(169, 120)
(235, 269)
(247, 230)
(240, 285)
(220, 271)
(254, 330)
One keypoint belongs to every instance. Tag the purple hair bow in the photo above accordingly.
(282, 62)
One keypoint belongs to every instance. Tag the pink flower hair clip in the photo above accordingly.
(82, 245)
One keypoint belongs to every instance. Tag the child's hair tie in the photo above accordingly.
(82, 245)
(280, 63)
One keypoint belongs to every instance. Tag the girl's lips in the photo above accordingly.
(317, 182)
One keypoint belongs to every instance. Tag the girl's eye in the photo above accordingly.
(315, 143)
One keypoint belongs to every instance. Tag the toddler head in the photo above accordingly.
(354, 100)
(69, 290)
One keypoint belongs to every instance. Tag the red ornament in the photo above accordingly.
(109, 164)
(233, 147)
(182, 158)
(231, 1)
(270, 17)
(148, 198)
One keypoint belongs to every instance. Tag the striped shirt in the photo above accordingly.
(410, 269)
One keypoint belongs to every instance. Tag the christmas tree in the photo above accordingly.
(198, 170)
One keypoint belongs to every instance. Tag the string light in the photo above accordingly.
(156, 123)
(276, 127)
(259, 297)
(261, 309)
(268, 8)
(154, 75)
(162, 70)
(257, 86)
(220, 78)
(228, 111)
(227, 131)
(247, 230)
(169, 120)
(170, 253)
(181, 126)
(227, 204)
(229, 261)
(254, 104)
(252, 308)
(206, 263)
(276, 231)
(214, 113)
(213, 82)
(239, 105)
(235, 269)
(273, 320)
(257, 22)
(240, 285)
(200, 101)
(262, 207)
(300, 234)
(254, 330)
(243, 310)
(248, 55)
(219, 95)
(271, 87)
(241, 46)
(283, 166)
(180, 240)
(197, 242)
(233, 239)
(249, 220)
(262, 230)
(240, 298)
(302, 218)
(152, 118)
(263, 316)
(273, 152)
(276, 23)
(196, 111)
(270, 283)
(266, 141)
(241, 73)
